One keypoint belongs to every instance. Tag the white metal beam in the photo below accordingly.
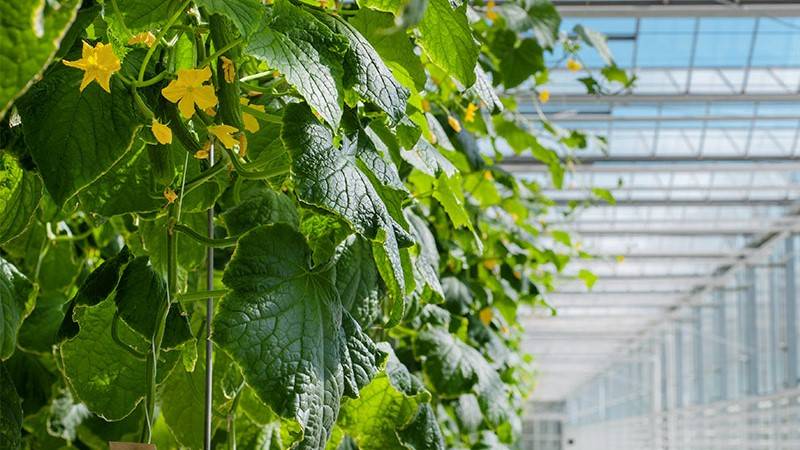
(637, 98)
(713, 230)
(521, 166)
(661, 8)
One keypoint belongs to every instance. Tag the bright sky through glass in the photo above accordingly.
(703, 158)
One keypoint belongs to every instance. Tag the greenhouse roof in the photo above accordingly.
(703, 158)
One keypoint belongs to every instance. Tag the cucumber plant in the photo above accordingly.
(273, 224)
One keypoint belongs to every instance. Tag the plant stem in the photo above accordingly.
(274, 118)
(209, 379)
(208, 242)
(115, 335)
(258, 75)
(202, 178)
(159, 37)
(158, 332)
(232, 421)
(254, 175)
(143, 108)
(201, 295)
(220, 52)
(151, 81)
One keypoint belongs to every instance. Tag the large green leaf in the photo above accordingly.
(140, 293)
(127, 187)
(539, 16)
(455, 368)
(30, 32)
(394, 46)
(20, 192)
(308, 68)
(109, 380)
(427, 159)
(330, 178)
(17, 298)
(190, 253)
(374, 419)
(389, 411)
(545, 21)
(245, 14)
(366, 72)
(262, 207)
(519, 60)
(449, 192)
(96, 288)
(484, 90)
(446, 38)
(423, 433)
(182, 401)
(39, 331)
(75, 137)
(357, 280)
(10, 412)
(284, 324)
(596, 40)
(426, 260)
(392, 6)
(143, 14)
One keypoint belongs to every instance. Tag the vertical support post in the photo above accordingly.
(791, 314)
(209, 380)
(663, 375)
(775, 352)
(699, 390)
(721, 336)
(750, 335)
(678, 367)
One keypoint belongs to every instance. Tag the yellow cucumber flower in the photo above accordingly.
(162, 132)
(145, 37)
(228, 70)
(250, 122)
(98, 63)
(574, 65)
(224, 133)
(454, 124)
(544, 96)
(490, 12)
(189, 90)
(486, 315)
(469, 116)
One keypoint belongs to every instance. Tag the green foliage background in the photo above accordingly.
(371, 258)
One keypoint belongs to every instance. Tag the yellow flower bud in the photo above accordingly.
(574, 65)
(486, 315)
(469, 116)
(170, 195)
(454, 123)
(145, 37)
(161, 132)
(228, 70)
(544, 96)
